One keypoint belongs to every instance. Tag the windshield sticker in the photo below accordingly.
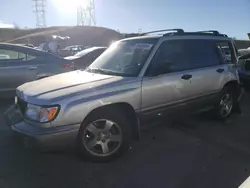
(143, 46)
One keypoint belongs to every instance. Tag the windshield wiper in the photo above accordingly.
(95, 70)
(103, 71)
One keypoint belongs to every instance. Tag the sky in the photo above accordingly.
(228, 16)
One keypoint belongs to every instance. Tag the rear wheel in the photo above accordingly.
(225, 105)
(104, 136)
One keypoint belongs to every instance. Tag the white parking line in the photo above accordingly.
(246, 183)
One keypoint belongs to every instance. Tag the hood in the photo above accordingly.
(60, 86)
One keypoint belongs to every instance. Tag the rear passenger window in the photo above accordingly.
(202, 53)
(180, 55)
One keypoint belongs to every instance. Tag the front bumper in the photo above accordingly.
(34, 137)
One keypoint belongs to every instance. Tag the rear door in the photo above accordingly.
(187, 74)
(16, 69)
(206, 69)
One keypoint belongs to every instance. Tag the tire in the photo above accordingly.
(225, 104)
(104, 135)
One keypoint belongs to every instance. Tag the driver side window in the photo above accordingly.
(170, 57)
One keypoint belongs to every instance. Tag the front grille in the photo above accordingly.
(22, 105)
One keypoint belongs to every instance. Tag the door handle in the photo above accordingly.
(220, 70)
(186, 77)
(32, 67)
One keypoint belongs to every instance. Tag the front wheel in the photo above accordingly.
(104, 136)
(225, 105)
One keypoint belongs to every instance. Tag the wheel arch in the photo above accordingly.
(235, 87)
(127, 109)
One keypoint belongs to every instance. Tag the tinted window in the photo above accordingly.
(202, 53)
(180, 55)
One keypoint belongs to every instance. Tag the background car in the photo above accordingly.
(29, 45)
(86, 57)
(71, 50)
(20, 64)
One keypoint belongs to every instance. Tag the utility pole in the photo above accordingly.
(86, 14)
(81, 16)
(39, 10)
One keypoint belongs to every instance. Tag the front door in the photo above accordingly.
(163, 86)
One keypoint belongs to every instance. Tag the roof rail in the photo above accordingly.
(209, 31)
(214, 32)
(158, 31)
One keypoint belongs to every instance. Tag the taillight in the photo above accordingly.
(68, 65)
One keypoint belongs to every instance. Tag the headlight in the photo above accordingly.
(41, 114)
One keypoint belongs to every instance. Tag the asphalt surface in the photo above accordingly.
(189, 152)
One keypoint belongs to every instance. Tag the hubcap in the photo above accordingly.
(102, 137)
(226, 104)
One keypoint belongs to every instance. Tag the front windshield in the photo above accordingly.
(124, 58)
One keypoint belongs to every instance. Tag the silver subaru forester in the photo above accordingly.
(99, 109)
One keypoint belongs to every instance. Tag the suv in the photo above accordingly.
(99, 109)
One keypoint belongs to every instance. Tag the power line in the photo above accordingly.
(39, 10)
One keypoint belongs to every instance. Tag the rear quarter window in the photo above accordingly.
(226, 51)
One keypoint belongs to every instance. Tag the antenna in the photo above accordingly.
(86, 14)
(39, 10)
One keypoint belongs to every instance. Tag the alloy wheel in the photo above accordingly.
(102, 137)
(226, 104)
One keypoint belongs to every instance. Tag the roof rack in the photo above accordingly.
(176, 32)
(158, 31)
(209, 31)
(213, 32)
(202, 33)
